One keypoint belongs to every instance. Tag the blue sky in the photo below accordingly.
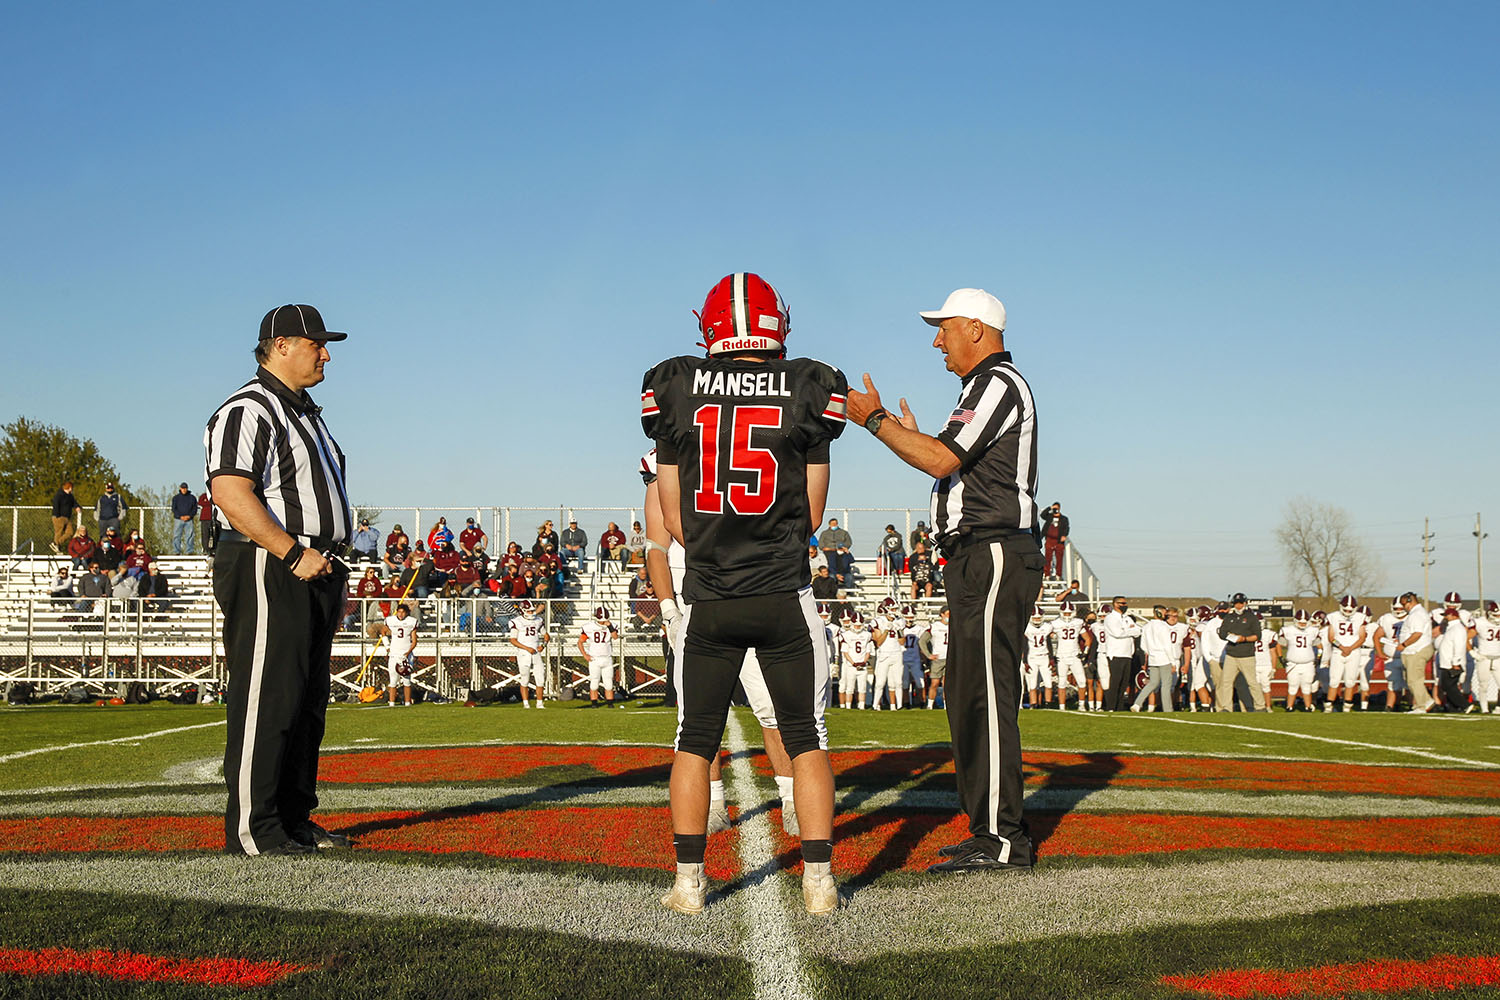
(1247, 252)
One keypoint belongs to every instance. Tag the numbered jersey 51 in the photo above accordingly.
(742, 434)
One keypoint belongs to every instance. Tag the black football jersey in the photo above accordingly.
(742, 434)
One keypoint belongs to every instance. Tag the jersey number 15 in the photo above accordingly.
(718, 437)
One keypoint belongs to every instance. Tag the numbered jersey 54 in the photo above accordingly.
(742, 434)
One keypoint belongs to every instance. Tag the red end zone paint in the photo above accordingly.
(124, 965)
(1443, 972)
(638, 837)
(442, 764)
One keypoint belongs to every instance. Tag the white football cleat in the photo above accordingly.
(688, 891)
(718, 817)
(819, 893)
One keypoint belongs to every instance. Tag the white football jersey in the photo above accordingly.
(939, 640)
(1486, 637)
(1069, 632)
(1036, 640)
(403, 634)
(597, 639)
(1099, 635)
(1297, 643)
(894, 628)
(1391, 635)
(1343, 629)
(857, 644)
(1210, 644)
(1263, 647)
(527, 631)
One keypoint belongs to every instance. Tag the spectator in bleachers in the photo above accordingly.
(529, 583)
(467, 578)
(445, 559)
(647, 608)
(513, 583)
(93, 587)
(64, 504)
(830, 539)
(122, 585)
(575, 544)
(639, 583)
(1073, 595)
(551, 566)
(472, 539)
(367, 587)
(841, 565)
(548, 535)
(815, 558)
(439, 534)
(111, 550)
(81, 549)
(612, 544)
(184, 513)
(110, 510)
(920, 534)
(824, 586)
(893, 551)
(1055, 540)
(637, 543)
(422, 582)
(154, 589)
(366, 543)
(920, 567)
(397, 550)
(206, 521)
(61, 591)
(138, 561)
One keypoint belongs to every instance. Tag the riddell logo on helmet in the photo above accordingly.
(748, 343)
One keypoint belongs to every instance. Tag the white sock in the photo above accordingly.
(716, 790)
(784, 788)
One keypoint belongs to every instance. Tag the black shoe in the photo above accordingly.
(287, 848)
(311, 835)
(958, 848)
(979, 858)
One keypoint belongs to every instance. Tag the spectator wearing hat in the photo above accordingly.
(472, 539)
(206, 521)
(893, 551)
(575, 544)
(831, 538)
(184, 513)
(397, 550)
(1054, 540)
(64, 504)
(154, 588)
(612, 544)
(919, 534)
(111, 549)
(440, 533)
(110, 509)
(1241, 629)
(81, 549)
(366, 543)
(919, 564)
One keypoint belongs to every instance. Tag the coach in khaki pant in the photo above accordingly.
(1241, 630)
(1416, 651)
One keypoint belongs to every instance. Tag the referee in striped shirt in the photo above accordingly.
(985, 520)
(277, 480)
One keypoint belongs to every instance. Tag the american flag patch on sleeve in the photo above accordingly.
(836, 408)
(648, 404)
(961, 416)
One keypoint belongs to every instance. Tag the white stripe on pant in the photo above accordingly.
(252, 703)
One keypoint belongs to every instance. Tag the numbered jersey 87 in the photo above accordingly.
(742, 434)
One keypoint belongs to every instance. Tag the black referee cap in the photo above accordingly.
(296, 321)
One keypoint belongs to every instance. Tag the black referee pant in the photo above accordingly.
(278, 633)
(992, 586)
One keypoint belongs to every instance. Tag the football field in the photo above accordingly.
(511, 853)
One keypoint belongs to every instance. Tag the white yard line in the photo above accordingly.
(100, 743)
(1163, 717)
(766, 937)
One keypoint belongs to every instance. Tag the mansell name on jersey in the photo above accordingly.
(722, 383)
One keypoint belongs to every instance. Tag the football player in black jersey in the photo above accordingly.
(742, 439)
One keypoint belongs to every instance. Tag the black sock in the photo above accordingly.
(689, 847)
(817, 851)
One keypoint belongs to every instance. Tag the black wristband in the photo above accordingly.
(293, 554)
(874, 420)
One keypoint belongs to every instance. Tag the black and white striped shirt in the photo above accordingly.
(276, 438)
(993, 433)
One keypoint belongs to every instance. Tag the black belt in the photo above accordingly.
(317, 544)
(951, 545)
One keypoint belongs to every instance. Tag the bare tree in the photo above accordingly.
(1324, 556)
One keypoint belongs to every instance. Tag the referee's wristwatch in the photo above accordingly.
(874, 420)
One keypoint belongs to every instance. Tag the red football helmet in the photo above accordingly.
(850, 617)
(907, 611)
(1451, 599)
(743, 313)
(527, 607)
(1491, 610)
(1036, 612)
(601, 614)
(1301, 617)
(1364, 609)
(1348, 605)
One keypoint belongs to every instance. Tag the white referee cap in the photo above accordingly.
(970, 303)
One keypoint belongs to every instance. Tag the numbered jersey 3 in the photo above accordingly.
(742, 434)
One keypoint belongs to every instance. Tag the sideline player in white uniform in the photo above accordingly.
(1298, 638)
(1208, 646)
(855, 645)
(1486, 654)
(890, 636)
(666, 565)
(1038, 660)
(831, 641)
(400, 631)
(596, 644)
(937, 636)
(528, 633)
(1342, 638)
(1387, 640)
(1367, 654)
(1068, 632)
(1266, 654)
(1100, 680)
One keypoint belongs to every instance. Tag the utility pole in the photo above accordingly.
(1479, 537)
(1427, 550)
